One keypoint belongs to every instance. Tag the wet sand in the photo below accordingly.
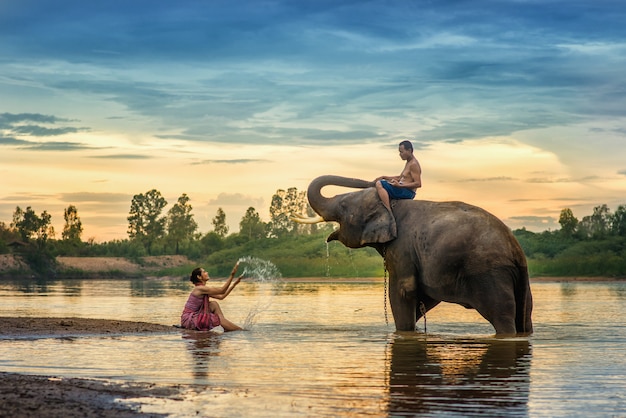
(46, 396)
(69, 327)
(43, 396)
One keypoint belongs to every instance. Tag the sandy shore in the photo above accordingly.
(71, 327)
(12, 265)
(45, 396)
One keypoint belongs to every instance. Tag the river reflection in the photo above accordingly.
(202, 346)
(323, 349)
(433, 376)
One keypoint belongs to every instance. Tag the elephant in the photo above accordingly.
(434, 251)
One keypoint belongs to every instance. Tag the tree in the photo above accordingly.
(7, 235)
(31, 226)
(568, 222)
(18, 216)
(211, 243)
(251, 225)
(145, 223)
(279, 220)
(618, 225)
(219, 223)
(180, 223)
(597, 224)
(284, 205)
(73, 228)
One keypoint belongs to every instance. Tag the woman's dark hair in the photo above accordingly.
(195, 275)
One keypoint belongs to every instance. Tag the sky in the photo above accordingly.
(518, 107)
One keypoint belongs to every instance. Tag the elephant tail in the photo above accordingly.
(523, 302)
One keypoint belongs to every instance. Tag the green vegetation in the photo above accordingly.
(594, 246)
(301, 256)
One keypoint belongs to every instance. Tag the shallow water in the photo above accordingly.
(324, 349)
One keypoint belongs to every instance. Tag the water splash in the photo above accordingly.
(256, 270)
(327, 260)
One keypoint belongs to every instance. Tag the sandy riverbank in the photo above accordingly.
(12, 265)
(26, 396)
(75, 327)
(46, 396)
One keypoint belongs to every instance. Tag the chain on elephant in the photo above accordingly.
(422, 306)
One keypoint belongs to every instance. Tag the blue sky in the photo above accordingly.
(515, 106)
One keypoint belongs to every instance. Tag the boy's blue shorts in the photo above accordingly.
(397, 192)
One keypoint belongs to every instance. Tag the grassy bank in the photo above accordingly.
(301, 256)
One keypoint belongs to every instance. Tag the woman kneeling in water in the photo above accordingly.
(201, 314)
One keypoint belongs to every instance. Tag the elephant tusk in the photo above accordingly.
(306, 220)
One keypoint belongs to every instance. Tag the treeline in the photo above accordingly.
(595, 245)
(151, 231)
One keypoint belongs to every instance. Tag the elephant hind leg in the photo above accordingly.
(504, 326)
(502, 317)
(500, 312)
(493, 295)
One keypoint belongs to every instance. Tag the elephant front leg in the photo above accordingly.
(403, 300)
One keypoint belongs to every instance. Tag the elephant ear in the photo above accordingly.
(380, 228)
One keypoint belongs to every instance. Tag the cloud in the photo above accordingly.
(556, 199)
(532, 223)
(123, 157)
(76, 198)
(488, 179)
(7, 140)
(19, 199)
(54, 146)
(329, 83)
(90, 197)
(21, 125)
(236, 67)
(7, 120)
(43, 131)
(93, 206)
(231, 161)
(235, 199)
(563, 179)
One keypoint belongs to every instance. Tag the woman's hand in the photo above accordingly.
(238, 280)
(232, 273)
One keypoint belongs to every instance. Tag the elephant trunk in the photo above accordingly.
(324, 205)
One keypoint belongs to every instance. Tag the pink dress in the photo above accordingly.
(197, 315)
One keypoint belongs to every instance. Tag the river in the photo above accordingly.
(325, 349)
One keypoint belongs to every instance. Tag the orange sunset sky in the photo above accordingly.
(518, 107)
